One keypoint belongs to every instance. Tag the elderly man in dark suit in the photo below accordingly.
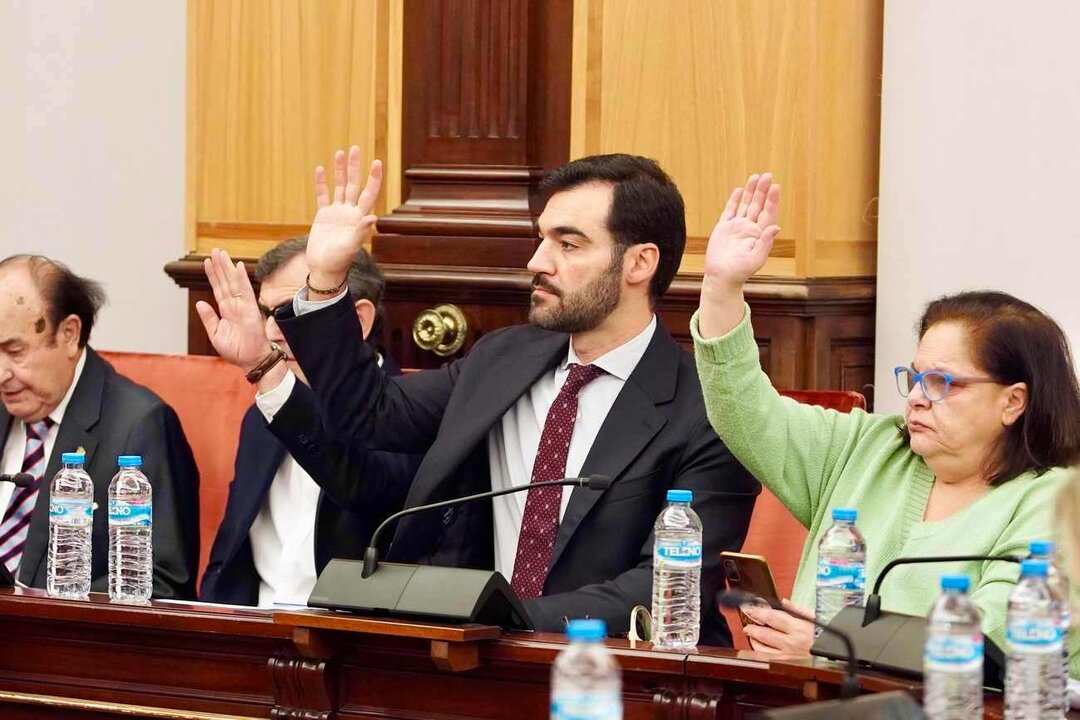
(594, 384)
(60, 396)
(280, 529)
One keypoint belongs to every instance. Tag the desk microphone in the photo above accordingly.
(873, 600)
(893, 641)
(735, 599)
(430, 592)
(20, 479)
(371, 554)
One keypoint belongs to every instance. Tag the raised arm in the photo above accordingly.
(792, 449)
(738, 247)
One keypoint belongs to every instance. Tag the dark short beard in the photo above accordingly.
(584, 309)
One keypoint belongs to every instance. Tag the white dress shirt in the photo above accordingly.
(513, 442)
(15, 444)
(283, 534)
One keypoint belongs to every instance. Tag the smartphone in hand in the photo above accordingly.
(750, 574)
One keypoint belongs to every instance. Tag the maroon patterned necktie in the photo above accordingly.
(540, 521)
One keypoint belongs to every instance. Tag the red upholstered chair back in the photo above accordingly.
(211, 397)
(774, 533)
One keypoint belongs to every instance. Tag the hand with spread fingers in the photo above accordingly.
(344, 222)
(237, 334)
(775, 631)
(738, 247)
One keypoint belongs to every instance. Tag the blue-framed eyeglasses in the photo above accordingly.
(935, 384)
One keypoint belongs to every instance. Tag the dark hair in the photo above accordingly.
(366, 281)
(646, 207)
(1013, 342)
(64, 292)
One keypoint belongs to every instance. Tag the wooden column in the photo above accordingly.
(486, 111)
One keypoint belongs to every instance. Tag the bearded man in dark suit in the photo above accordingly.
(594, 384)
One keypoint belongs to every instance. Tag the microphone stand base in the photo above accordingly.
(429, 592)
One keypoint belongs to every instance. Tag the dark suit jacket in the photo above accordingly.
(360, 489)
(655, 437)
(108, 416)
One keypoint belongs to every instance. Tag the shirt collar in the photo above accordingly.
(57, 415)
(621, 361)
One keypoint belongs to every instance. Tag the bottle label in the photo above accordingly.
(130, 514)
(577, 705)
(71, 511)
(679, 553)
(1037, 635)
(954, 652)
(841, 575)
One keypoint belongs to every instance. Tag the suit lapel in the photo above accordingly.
(504, 381)
(82, 414)
(253, 487)
(629, 427)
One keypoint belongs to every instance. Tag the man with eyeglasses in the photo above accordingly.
(279, 528)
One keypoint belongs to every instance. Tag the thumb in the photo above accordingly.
(208, 316)
(769, 234)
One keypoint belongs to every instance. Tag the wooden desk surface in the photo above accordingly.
(188, 661)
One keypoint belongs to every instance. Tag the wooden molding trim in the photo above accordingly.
(98, 707)
(487, 283)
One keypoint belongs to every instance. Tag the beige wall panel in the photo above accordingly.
(278, 85)
(847, 88)
(716, 89)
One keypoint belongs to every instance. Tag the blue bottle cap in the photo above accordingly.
(680, 496)
(586, 630)
(73, 458)
(1042, 547)
(1038, 568)
(129, 461)
(845, 514)
(955, 582)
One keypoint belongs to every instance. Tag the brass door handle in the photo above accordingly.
(441, 330)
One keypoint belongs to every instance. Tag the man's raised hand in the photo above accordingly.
(238, 334)
(344, 221)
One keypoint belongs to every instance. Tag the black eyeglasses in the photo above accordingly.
(267, 312)
(935, 384)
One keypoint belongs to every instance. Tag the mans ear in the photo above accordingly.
(1016, 399)
(641, 262)
(67, 334)
(365, 313)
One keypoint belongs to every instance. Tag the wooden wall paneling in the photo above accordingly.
(716, 89)
(275, 86)
(846, 107)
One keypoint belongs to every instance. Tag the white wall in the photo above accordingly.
(980, 162)
(92, 148)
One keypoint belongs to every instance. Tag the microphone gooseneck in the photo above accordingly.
(873, 600)
(371, 554)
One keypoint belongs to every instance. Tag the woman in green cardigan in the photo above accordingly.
(972, 467)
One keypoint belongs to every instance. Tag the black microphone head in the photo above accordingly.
(22, 479)
(598, 482)
(735, 599)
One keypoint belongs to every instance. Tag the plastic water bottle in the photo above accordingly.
(131, 525)
(1033, 666)
(676, 600)
(841, 572)
(585, 679)
(71, 521)
(953, 657)
(1058, 583)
